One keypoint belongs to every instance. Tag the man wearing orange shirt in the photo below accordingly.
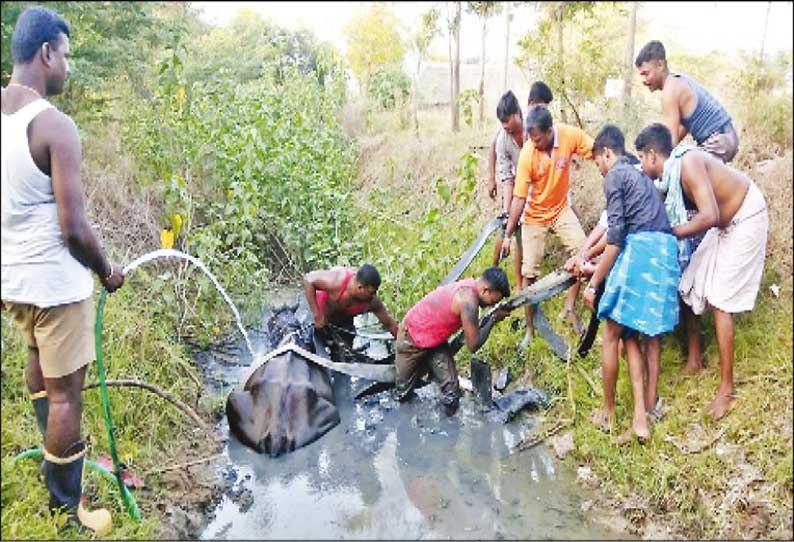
(543, 173)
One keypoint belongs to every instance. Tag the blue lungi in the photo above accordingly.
(641, 292)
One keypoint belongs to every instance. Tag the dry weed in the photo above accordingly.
(126, 216)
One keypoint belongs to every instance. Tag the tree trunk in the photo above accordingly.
(451, 69)
(456, 69)
(629, 67)
(507, 45)
(561, 58)
(414, 97)
(482, 74)
(766, 25)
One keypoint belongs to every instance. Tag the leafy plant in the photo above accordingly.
(468, 99)
(389, 87)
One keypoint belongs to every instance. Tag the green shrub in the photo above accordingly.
(764, 98)
(389, 87)
(260, 170)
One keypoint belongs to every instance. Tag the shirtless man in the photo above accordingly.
(688, 108)
(338, 294)
(725, 271)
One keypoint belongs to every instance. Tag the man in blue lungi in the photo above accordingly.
(641, 270)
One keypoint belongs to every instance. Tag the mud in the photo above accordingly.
(387, 471)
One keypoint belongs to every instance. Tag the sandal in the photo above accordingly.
(657, 412)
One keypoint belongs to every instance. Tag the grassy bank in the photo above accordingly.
(736, 485)
(150, 432)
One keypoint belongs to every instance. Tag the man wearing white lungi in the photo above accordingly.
(724, 273)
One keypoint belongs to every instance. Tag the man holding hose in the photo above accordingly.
(49, 252)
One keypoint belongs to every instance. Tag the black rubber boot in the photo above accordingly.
(41, 406)
(64, 479)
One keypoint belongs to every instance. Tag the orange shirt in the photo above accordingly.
(548, 175)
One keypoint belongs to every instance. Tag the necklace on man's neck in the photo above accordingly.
(33, 90)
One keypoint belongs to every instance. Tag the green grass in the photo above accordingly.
(683, 491)
(149, 431)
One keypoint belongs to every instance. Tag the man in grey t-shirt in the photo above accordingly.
(508, 144)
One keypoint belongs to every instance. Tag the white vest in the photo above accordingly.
(36, 265)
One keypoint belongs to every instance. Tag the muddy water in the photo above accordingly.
(391, 471)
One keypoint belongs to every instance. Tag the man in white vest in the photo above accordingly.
(49, 252)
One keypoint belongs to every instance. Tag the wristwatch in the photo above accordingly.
(591, 289)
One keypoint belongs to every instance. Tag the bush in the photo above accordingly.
(260, 170)
(764, 99)
(389, 87)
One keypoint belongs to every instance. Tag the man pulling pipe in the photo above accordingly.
(421, 344)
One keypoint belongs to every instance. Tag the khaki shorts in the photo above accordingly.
(566, 227)
(63, 335)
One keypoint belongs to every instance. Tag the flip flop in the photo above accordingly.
(657, 412)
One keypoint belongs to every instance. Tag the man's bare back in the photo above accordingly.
(728, 185)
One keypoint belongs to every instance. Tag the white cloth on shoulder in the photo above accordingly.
(725, 271)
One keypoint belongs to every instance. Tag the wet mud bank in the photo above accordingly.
(388, 470)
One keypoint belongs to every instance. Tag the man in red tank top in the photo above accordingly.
(338, 294)
(421, 345)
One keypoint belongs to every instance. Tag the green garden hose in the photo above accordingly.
(126, 496)
(38, 454)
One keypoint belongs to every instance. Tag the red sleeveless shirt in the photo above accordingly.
(431, 321)
(353, 310)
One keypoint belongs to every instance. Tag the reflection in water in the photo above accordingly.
(405, 472)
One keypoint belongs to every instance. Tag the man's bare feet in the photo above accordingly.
(721, 404)
(639, 428)
(628, 434)
(570, 315)
(603, 419)
(692, 368)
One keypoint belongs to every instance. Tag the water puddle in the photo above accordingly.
(392, 471)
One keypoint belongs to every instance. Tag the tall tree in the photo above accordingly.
(508, 18)
(483, 10)
(766, 25)
(421, 43)
(109, 39)
(629, 58)
(453, 27)
(559, 17)
(544, 48)
(373, 41)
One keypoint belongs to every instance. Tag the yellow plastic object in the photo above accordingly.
(167, 238)
(176, 224)
(98, 520)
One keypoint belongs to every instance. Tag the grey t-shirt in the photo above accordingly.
(507, 152)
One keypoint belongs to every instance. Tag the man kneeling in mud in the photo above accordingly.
(338, 294)
(422, 337)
